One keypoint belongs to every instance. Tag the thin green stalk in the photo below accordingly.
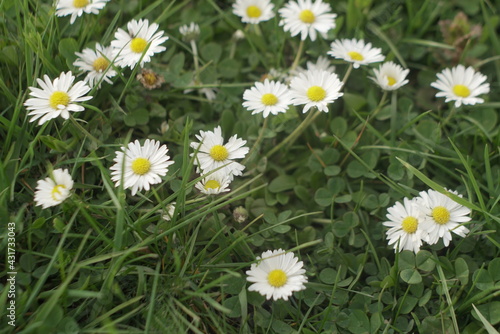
(257, 142)
(195, 60)
(347, 74)
(297, 57)
(394, 115)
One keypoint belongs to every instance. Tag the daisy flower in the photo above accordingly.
(315, 89)
(190, 32)
(253, 11)
(270, 97)
(214, 183)
(356, 52)
(169, 211)
(96, 63)
(213, 153)
(53, 190)
(442, 216)
(461, 85)
(140, 166)
(307, 18)
(277, 274)
(390, 76)
(150, 79)
(56, 98)
(141, 41)
(405, 222)
(76, 8)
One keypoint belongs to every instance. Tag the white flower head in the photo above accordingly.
(213, 153)
(53, 190)
(253, 11)
(390, 76)
(277, 274)
(190, 32)
(307, 18)
(169, 211)
(442, 216)
(96, 64)
(141, 41)
(461, 85)
(140, 166)
(356, 52)
(321, 64)
(269, 97)
(315, 89)
(405, 222)
(76, 8)
(56, 98)
(215, 183)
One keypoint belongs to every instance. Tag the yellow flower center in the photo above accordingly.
(212, 184)
(141, 166)
(100, 64)
(138, 45)
(80, 3)
(355, 55)
(441, 215)
(56, 192)
(461, 90)
(307, 16)
(391, 81)
(409, 224)
(254, 11)
(219, 153)
(58, 98)
(149, 78)
(316, 93)
(269, 99)
(277, 278)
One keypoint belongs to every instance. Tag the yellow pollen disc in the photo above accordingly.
(212, 184)
(391, 81)
(355, 55)
(149, 78)
(277, 278)
(316, 93)
(58, 98)
(409, 224)
(461, 90)
(80, 3)
(307, 16)
(269, 99)
(100, 64)
(254, 12)
(219, 153)
(441, 215)
(141, 166)
(138, 45)
(56, 192)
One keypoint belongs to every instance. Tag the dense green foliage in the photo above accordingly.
(106, 262)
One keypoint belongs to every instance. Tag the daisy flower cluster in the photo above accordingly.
(427, 218)
(215, 160)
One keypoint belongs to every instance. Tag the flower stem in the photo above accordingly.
(452, 112)
(257, 142)
(347, 74)
(297, 57)
(394, 115)
(82, 129)
(311, 116)
(195, 60)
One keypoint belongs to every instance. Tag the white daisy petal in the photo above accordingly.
(356, 52)
(56, 98)
(270, 97)
(307, 18)
(53, 190)
(96, 64)
(253, 11)
(141, 41)
(462, 85)
(140, 165)
(390, 76)
(276, 275)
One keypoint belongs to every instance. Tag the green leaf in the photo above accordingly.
(489, 312)
(406, 260)
(233, 304)
(67, 49)
(328, 275)
(494, 269)
(211, 52)
(323, 197)
(38, 223)
(462, 271)
(359, 322)
(425, 261)
(282, 183)
(332, 170)
(411, 276)
(407, 303)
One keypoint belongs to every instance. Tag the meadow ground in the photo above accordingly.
(155, 153)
